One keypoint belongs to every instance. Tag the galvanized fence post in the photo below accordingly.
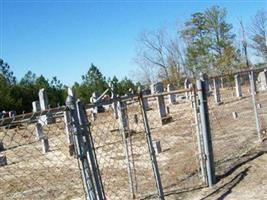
(198, 133)
(125, 132)
(254, 104)
(80, 148)
(89, 145)
(151, 150)
(205, 127)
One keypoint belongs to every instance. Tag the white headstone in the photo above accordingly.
(262, 80)
(36, 106)
(43, 99)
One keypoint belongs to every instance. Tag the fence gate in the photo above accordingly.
(174, 124)
(123, 149)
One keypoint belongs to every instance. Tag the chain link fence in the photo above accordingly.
(237, 107)
(35, 158)
(148, 145)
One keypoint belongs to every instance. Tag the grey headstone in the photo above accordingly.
(157, 147)
(186, 87)
(68, 127)
(172, 97)
(161, 106)
(2, 148)
(238, 86)
(145, 100)
(216, 91)
(157, 88)
(45, 145)
(39, 131)
(123, 116)
(3, 160)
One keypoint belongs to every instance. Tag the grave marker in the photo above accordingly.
(216, 91)
(238, 86)
(172, 97)
(186, 87)
(3, 160)
(36, 106)
(262, 80)
(157, 147)
(43, 100)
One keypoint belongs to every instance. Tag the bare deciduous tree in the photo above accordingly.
(158, 51)
(259, 34)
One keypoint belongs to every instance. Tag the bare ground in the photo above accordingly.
(55, 175)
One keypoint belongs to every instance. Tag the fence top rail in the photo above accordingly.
(32, 115)
(29, 116)
(134, 97)
(244, 71)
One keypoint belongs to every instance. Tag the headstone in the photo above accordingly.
(252, 80)
(262, 80)
(68, 131)
(123, 117)
(157, 88)
(11, 114)
(36, 106)
(94, 98)
(235, 115)
(39, 131)
(172, 97)
(216, 91)
(145, 100)
(3, 160)
(114, 104)
(2, 148)
(157, 147)
(221, 82)
(258, 105)
(168, 110)
(136, 118)
(45, 145)
(238, 86)
(186, 87)
(93, 116)
(43, 100)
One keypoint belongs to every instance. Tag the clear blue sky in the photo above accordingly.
(62, 38)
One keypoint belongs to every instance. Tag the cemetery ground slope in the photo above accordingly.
(246, 180)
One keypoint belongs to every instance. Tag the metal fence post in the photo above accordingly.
(83, 120)
(151, 150)
(198, 133)
(80, 148)
(125, 132)
(205, 127)
(253, 96)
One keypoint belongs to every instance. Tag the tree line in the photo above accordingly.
(205, 44)
(18, 95)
